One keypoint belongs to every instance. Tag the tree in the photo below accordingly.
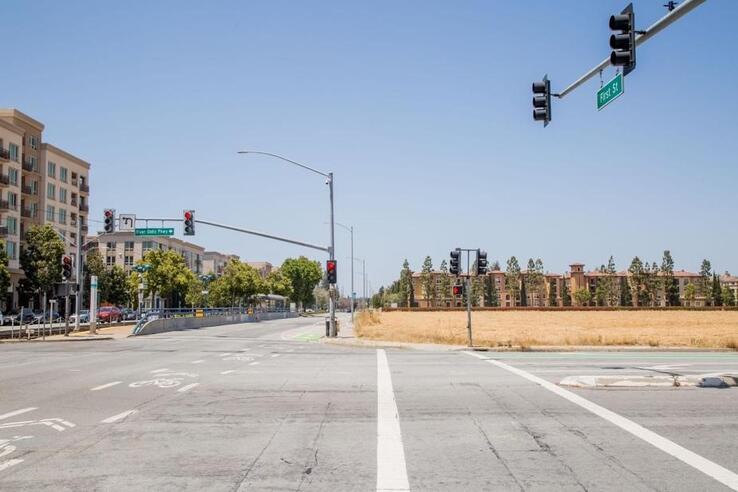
(132, 282)
(523, 293)
(168, 275)
(495, 266)
(512, 279)
(4, 272)
(279, 284)
(552, 300)
(304, 275)
(565, 294)
(477, 292)
(611, 295)
(93, 266)
(428, 281)
(690, 293)
(582, 296)
(41, 259)
(194, 296)
(637, 282)
(445, 284)
(626, 298)
(113, 286)
(728, 297)
(536, 280)
(669, 284)
(239, 283)
(705, 281)
(717, 291)
(491, 296)
(406, 285)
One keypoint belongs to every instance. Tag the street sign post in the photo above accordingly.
(610, 91)
(154, 231)
(126, 222)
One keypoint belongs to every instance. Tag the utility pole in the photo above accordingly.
(468, 297)
(78, 267)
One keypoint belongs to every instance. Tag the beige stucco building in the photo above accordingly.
(39, 184)
(214, 262)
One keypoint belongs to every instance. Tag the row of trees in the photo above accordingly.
(167, 276)
(647, 284)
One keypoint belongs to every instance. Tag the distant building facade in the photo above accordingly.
(213, 262)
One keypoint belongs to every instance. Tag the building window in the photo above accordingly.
(13, 200)
(148, 246)
(33, 142)
(34, 163)
(63, 171)
(13, 176)
(63, 195)
(51, 171)
(110, 245)
(62, 216)
(129, 245)
(13, 151)
(128, 260)
(11, 250)
(110, 260)
(12, 224)
(50, 191)
(50, 211)
(74, 200)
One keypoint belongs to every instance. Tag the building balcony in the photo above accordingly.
(5, 205)
(4, 231)
(28, 213)
(28, 190)
(84, 188)
(29, 166)
(83, 207)
(84, 229)
(4, 154)
(4, 179)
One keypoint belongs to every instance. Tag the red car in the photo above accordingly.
(109, 314)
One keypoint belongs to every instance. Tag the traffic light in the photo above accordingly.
(481, 262)
(331, 271)
(542, 101)
(623, 44)
(458, 290)
(66, 262)
(189, 222)
(109, 220)
(455, 257)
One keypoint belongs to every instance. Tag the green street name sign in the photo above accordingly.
(611, 91)
(155, 231)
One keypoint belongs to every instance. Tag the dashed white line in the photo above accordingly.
(254, 363)
(391, 468)
(225, 354)
(188, 387)
(228, 372)
(103, 386)
(275, 355)
(17, 412)
(118, 417)
(159, 370)
(198, 361)
(709, 468)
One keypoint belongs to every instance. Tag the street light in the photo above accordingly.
(351, 230)
(332, 253)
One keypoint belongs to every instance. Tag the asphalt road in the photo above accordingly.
(267, 407)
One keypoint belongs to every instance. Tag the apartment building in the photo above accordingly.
(541, 295)
(39, 184)
(263, 267)
(125, 249)
(214, 262)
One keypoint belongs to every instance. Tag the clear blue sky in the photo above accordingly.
(421, 108)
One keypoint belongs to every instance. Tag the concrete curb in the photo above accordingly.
(649, 381)
(52, 340)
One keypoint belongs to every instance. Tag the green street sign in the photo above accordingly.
(155, 231)
(611, 91)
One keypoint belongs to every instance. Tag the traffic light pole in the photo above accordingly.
(468, 298)
(78, 273)
(684, 8)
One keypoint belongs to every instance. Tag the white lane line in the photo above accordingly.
(7, 464)
(118, 417)
(228, 372)
(103, 386)
(188, 387)
(709, 468)
(198, 361)
(254, 363)
(17, 412)
(275, 355)
(226, 354)
(159, 370)
(391, 469)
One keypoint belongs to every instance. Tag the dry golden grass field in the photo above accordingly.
(705, 329)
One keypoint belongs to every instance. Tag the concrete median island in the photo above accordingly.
(531, 329)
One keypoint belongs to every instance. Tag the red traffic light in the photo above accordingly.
(108, 213)
(457, 290)
(188, 215)
(330, 265)
(67, 260)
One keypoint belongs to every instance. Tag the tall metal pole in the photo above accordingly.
(78, 265)
(352, 274)
(363, 276)
(332, 254)
(468, 299)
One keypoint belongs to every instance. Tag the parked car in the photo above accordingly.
(128, 313)
(109, 314)
(14, 318)
(84, 317)
(48, 317)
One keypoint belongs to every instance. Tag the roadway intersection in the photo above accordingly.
(267, 407)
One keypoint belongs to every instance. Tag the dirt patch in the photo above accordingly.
(703, 329)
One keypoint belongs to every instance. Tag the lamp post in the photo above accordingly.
(332, 252)
(351, 230)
